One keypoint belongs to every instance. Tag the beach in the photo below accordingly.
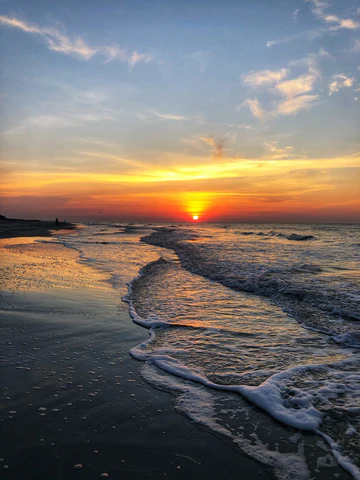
(76, 404)
(180, 240)
(72, 395)
(12, 228)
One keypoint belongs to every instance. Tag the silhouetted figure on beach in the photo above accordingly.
(57, 221)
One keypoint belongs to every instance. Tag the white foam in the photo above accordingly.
(198, 404)
(268, 396)
(276, 395)
(350, 338)
(341, 459)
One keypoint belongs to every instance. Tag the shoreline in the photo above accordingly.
(72, 394)
(13, 228)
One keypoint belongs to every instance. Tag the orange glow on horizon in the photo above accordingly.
(271, 191)
(195, 204)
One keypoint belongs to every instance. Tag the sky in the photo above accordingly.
(159, 110)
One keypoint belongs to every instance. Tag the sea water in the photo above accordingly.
(244, 315)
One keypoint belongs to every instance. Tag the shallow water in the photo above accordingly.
(227, 306)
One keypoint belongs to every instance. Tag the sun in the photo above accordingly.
(195, 217)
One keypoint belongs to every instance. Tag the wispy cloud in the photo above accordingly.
(293, 105)
(340, 81)
(278, 153)
(356, 46)
(167, 116)
(294, 99)
(54, 39)
(60, 42)
(93, 141)
(336, 22)
(300, 36)
(295, 14)
(151, 115)
(217, 146)
(297, 86)
(264, 77)
(107, 156)
(245, 127)
(318, 6)
(271, 43)
(136, 57)
(295, 92)
(311, 61)
(59, 121)
(255, 108)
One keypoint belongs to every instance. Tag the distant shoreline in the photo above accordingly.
(14, 227)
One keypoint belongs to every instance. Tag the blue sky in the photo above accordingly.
(127, 87)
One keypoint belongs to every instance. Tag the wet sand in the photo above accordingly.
(72, 395)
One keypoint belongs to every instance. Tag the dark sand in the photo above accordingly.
(71, 394)
(11, 228)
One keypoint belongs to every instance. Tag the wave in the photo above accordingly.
(299, 397)
(314, 301)
(293, 236)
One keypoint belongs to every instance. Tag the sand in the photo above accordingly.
(73, 405)
(30, 228)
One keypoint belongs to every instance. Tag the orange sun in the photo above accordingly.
(195, 217)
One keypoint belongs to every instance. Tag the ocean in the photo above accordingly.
(249, 324)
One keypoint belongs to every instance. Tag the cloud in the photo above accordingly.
(255, 107)
(217, 146)
(149, 115)
(106, 156)
(356, 46)
(318, 6)
(336, 22)
(311, 61)
(293, 91)
(136, 57)
(167, 116)
(113, 52)
(341, 22)
(277, 153)
(245, 127)
(271, 43)
(295, 14)
(54, 39)
(340, 81)
(59, 42)
(59, 121)
(264, 77)
(297, 86)
(293, 105)
(303, 36)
